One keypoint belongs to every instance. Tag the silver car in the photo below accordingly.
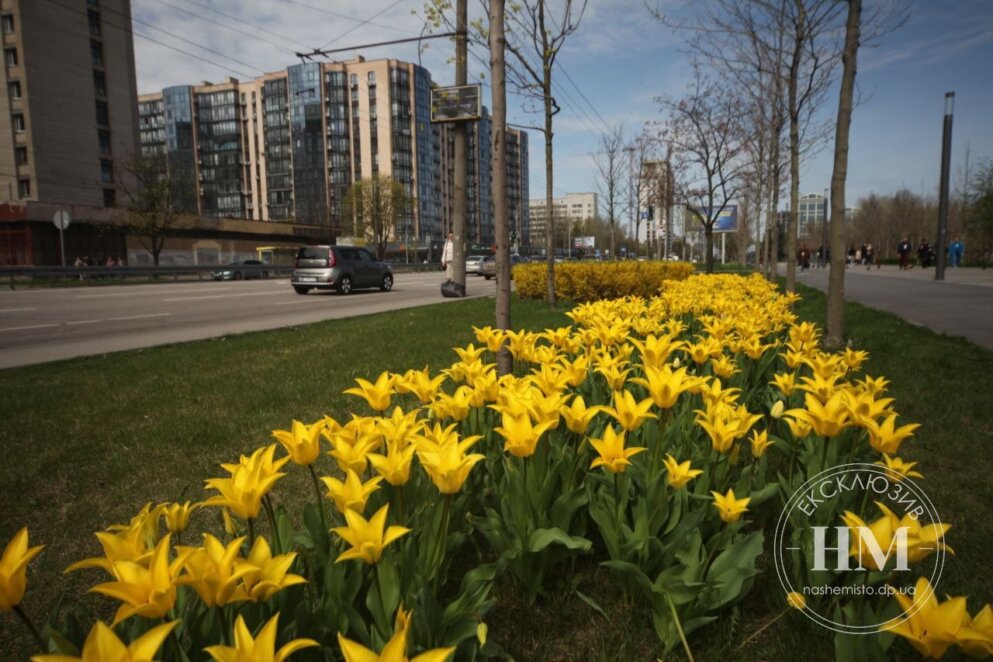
(341, 268)
(474, 265)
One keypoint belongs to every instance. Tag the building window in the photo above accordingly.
(14, 89)
(104, 141)
(18, 121)
(106, 171)
(7, 23)
(94, 18)
(372, 78)
(96, 53)
(10, 56)
(21, 155)
(109, 197)
(99, 84)
(103, 116)
(23, 188)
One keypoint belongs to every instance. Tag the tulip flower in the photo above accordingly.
(445, 460)
(679, 473)
(351, 493)
(492, 338)
(885, 437)
(854, 358)
(351, 452)
(576, 370)
(214, 571)
(921, 539)
(730, 508)
(976, 637)
(547, 408)
(469, 354)
(897, 469)
(613, 455)
(259, 649)
(723, 366)
(102, 645)
(655, 350)
(377, 394)
(455, 406)
(615, 374)
(930, 627)
(399, 428)
(420, 384)
(578, 416)
(796, 600)
(14, 569)
(760, 442)
(395, 649)
(394, 467)
(250, 480)
(785, 382)
(267, 574)
(628, 412)
(145, 591)
(665, 385)
(828, 419)
(520, 434)
(777, 410)
(177, 515)
(302, 442)
(369, 537)
(825, 365)
(704, 350)
(874, 386)
(865, 407)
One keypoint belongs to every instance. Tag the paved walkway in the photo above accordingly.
(961, 305)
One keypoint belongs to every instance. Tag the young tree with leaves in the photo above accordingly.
(160, 198)
(376, 206)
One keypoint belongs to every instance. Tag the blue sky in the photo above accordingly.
(620, 60)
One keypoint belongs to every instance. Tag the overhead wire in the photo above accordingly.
(251, 25)
(226, 26)
(361, 23)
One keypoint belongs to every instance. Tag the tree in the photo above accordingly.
(376, 206)
(498, 76)
(705, 131)
(980, 217)
(609, 164)
(159, 195)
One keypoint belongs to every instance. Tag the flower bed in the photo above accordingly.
(593, 281)
(663, 437)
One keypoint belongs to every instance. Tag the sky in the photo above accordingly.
(611, 72)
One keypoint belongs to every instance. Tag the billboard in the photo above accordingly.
(584, 242)
(727, 219)
(456, 104)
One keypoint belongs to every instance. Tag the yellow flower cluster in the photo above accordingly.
(593, 281)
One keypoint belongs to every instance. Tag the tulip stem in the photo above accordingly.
(251, 532)
(272, 521)
(225, 631)
(442, 534)
(679, 629)
(31, 627)
(380, 625)
(764, 628)
(320, 498)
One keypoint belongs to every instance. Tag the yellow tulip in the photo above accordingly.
(301, 441)
(796, 600)
(665, 385)
(614, 457)
(825, 365)
(785, 382)
(730, 508)
(760, 442)
(214, 572)
(828, 419)
(854, 358)
(976, 637)
(655, 350)
(704, 350)
(679, 474)
(420, 384)
(455, 407)
(102, 645)
(351, 493)
(351, 452)
(469, 354)
(576, 370)
(369, 537)
(723, 366)
(615, 374)
(885, 437)
(394, 467)
(177, 515)
(874, 386)
(578, 416)
(777, 409)
(250, 480)
(399, 428)
(395, 649)
(145, 591)
(628, 412)
(520, 434)
(268, 574)
(897, 469)
(259, 649)
(866, 407)
(377, 394)
(492, 338)
(14, 569)
(921, 540)
(444, 458)
(930, 627)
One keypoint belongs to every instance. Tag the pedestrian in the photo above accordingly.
(955, 252)
(870, 255)
(447, 255)
(922, 252)
(851, 256)
(110, 262)
(903, 249)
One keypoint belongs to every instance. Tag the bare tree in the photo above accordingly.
(498, 76)
(376, 206)
(639, 153)
(705, 132)
(609, 162)
(160, 198)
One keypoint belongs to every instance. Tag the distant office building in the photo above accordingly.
(655, 217)
(811, 213)
(288, 146)
(571, 207)
(70, 124)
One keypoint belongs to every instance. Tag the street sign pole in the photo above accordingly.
(61, 221)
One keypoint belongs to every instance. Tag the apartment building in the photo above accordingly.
(571, 207)
(68, 125)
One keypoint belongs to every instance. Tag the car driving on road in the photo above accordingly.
(237, 271)
(341, 268)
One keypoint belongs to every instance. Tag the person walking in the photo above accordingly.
(870, 255)
(447, 255)
(955, 252)
(903, 249)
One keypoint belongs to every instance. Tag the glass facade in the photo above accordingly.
(307, 141)
(339, 155)
(277, 149)
(218, 132)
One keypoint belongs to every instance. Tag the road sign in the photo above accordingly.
(61, 219)
(456, 104)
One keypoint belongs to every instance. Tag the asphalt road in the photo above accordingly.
(961, 305)
(40, 325)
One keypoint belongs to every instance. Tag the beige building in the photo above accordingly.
(571, 207)
(69, 121)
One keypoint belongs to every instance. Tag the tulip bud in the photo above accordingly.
(777, 409)
(796, 600)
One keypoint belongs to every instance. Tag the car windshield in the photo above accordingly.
(312, 253)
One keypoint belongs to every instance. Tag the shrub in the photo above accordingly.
(593, 281)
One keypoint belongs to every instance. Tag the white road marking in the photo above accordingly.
(223, 296)
(292, 303)
(83, 322)
(17, 310)
(144, 293)
(24, 328)
(137, 317)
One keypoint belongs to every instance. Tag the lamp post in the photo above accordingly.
(946, 160)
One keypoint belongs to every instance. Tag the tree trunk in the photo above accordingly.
(498, 77)
(835, 335)
(794, 111)
(550, 223)
(708, 233)
(461, 154)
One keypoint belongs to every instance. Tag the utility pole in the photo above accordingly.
(946, 162)
(461, 151)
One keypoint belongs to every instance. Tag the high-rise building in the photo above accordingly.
(69, 124)
(811, 212)
(571, 207)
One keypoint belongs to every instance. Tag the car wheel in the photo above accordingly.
(387, 283)
(345, 285)
(237, 275)
(487, 277)
(300, 290)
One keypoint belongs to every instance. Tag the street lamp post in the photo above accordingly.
(946, 161)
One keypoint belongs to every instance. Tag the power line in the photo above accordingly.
(225, 26)
(251, 25)
(361, 23)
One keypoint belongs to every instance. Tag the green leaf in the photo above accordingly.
(542, 538)
(592, 603)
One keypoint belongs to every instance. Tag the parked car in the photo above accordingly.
(341, 268)
(474, 264)
(488, 266)
(236, 271)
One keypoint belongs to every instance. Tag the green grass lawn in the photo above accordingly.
(88, 441)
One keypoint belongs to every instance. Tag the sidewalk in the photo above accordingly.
(961, 305)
